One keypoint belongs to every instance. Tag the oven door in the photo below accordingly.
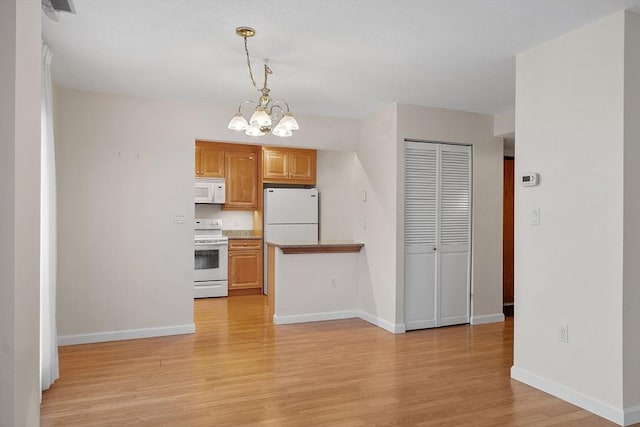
(210, 262)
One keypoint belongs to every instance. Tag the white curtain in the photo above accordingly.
(48, 253)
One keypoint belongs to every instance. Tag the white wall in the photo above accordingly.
(335, 182)
(125, 168)
(375, 225)
(19, 212)
(631, 295)
(569, 269)
(231, 220)
(440, 125)
(504, 123)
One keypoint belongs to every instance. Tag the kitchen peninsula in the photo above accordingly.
(312, 281)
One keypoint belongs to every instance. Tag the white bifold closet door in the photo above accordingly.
(437, 234)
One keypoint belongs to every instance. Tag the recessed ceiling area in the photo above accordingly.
(329, 57)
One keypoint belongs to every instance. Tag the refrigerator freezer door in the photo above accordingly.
(290, 206)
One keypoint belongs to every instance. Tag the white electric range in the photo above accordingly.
(210, 259)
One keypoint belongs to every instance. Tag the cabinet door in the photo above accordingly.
(241, 172)
(274, 165)
(198, 156)
(302, 166)
(245, 269)
(209, 160)
(212, 163)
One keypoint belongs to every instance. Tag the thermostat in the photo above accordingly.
(529, 179)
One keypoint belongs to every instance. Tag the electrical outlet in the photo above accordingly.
(563, 334)
(332, 282)
(178, 219)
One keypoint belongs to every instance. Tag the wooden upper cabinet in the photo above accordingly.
(302, 165)
(241, 172)
(209, 160)
(274, 164)
(288, 166)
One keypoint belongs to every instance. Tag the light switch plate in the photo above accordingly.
(534, 216)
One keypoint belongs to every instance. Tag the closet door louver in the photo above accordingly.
(420, 206)
(455, 196)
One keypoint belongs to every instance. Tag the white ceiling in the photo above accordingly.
(341, 58)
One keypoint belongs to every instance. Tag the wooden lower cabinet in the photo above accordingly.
(245, 265)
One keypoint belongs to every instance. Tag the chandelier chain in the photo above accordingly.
(246, 51)
(267, 71)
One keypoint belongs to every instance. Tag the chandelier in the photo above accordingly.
(268, 115)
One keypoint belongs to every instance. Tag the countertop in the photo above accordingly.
(242, 234)
(322, 246)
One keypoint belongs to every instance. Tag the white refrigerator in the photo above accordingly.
(290, 216)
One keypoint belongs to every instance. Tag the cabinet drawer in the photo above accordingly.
(241, 244)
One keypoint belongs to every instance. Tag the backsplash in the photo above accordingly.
(231, 220)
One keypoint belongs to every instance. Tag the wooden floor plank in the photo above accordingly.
(240, 369)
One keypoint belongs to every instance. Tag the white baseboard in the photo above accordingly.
(487, 318)
(336, 315)
(594, 406)
(632, 415)
(399, 328)
(313, 317)
(127, 334)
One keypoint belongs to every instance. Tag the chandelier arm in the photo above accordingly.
(244, 102)
(246, 51)
(279, 101)
(275, 117)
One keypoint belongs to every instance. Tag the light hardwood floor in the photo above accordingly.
(239, 369)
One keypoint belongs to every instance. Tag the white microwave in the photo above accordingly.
(210, 191)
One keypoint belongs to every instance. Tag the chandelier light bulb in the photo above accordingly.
(254, 130)
(260, 117)
(238, 122)
(281, 130)
(289, 122)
